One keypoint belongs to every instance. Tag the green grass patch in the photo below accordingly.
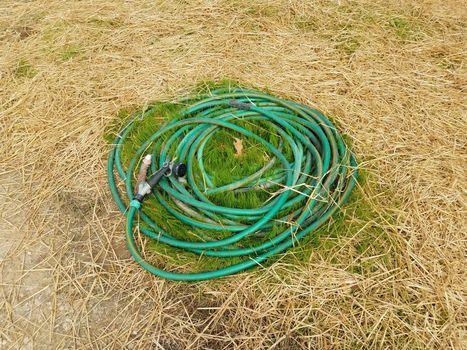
(404, 29)
(24, 70)
(70, 52)
(359, 225)
(259, 11)
(54, 31)
(106, 22)
(306, 23)
(61, 46)
(348, 44)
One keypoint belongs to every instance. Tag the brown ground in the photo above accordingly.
(393, 73)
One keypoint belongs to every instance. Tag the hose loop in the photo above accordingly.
(309, 173)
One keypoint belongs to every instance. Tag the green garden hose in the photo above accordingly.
(313, 181)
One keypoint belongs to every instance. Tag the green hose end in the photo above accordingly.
(135, 204)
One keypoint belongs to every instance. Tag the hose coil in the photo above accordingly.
(313, 182)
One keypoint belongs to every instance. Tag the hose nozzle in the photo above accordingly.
(144, 187)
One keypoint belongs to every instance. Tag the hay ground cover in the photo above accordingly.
(386, 273)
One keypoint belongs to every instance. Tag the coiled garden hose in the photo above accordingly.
(311, 183)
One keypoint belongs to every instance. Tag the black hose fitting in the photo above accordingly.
(158, 175)
(144, 188)
(179, 169)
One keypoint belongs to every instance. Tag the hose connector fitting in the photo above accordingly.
(145, 187)
(240, 105)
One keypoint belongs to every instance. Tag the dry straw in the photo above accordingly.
(391, 73)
